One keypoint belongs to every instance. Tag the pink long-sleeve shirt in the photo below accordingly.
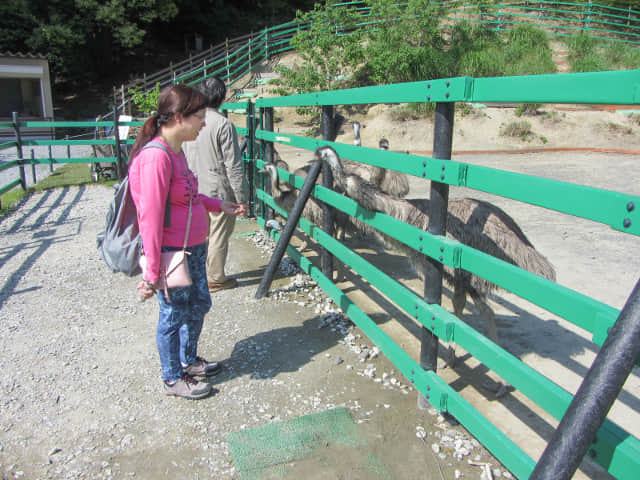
(150, 180)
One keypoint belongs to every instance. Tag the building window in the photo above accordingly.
(22, 95)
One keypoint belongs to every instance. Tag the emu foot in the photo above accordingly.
(499, 388)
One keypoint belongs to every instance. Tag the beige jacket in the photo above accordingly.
(215, 159)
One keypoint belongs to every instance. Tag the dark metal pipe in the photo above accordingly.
(328, 133)
(439, 199)
(287, 231)
(600, 388)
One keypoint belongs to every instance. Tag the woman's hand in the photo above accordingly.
(146, 289)
(233, 208)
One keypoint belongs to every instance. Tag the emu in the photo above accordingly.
(285, 197)
(478, 224)
(391, 182)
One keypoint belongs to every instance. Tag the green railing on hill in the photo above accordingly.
(233, 59)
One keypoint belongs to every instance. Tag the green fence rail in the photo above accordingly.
(236, 58)
(616, 450)
(100, 163)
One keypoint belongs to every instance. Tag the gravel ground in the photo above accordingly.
(80, 390)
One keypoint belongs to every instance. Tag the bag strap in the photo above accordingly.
(186, 233)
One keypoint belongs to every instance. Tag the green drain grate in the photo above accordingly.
(264, 451)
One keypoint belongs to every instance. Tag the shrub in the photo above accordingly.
(528, 109)
(413, 111)
(519, 129)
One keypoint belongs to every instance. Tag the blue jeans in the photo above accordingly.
(180, 321)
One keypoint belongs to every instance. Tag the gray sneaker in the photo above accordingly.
(203, 368)
(188, 387)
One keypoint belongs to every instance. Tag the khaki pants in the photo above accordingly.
(220, 229)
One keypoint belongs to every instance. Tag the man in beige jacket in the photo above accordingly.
(215, 159)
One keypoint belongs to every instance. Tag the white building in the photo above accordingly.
(25, 87)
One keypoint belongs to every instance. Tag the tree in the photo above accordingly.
(330, 48)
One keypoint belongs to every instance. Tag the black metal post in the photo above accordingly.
(439, 198)
(33, 166)
(287, 231)
(268, 152)
(120, 170)
(16, 128)
(600, 388)
(327, 126)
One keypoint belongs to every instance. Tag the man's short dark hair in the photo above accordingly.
(215, 90)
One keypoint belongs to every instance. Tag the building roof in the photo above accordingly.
(23, 55)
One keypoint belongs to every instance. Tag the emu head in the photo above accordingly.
(271, 170)
(356, 134)
(329, 156)
(384, 144)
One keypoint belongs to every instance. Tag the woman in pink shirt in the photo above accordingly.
(155, 173)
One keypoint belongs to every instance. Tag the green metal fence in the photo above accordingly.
(88, 132)
(616, 450)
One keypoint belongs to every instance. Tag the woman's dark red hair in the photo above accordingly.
(176, 99)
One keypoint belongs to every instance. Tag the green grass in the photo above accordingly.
(588, 54)
(67, 175)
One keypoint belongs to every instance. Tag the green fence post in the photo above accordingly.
(438, 205)
(16, 128)
(328, 133)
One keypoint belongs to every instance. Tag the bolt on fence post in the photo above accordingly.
(438, 204)
(16, 128)
(120, 170)
(328, 133)
(268, 152)
(587, 411)
(288, 229)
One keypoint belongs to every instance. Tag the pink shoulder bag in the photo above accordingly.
(174, 268)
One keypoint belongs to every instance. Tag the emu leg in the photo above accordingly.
(486, 313)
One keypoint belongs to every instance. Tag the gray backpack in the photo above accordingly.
(120, 244)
